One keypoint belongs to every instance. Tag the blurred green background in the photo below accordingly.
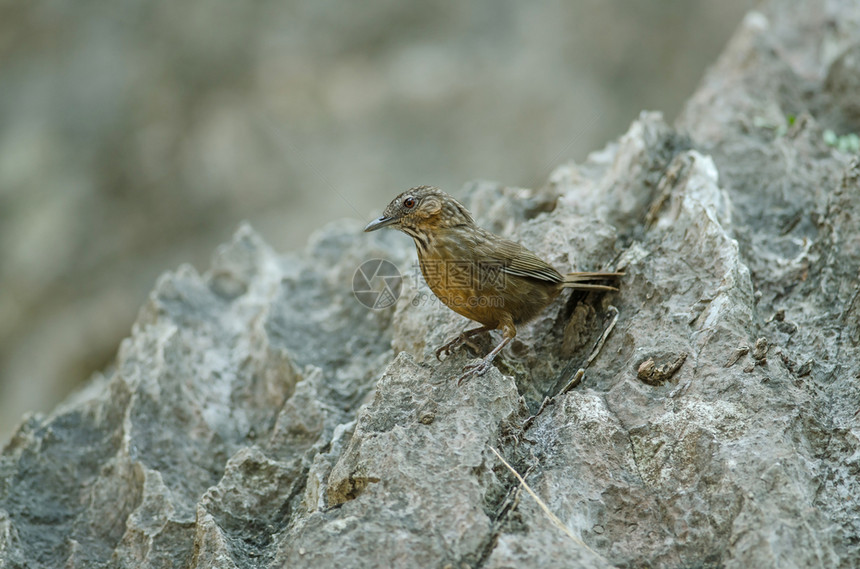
(135, 135)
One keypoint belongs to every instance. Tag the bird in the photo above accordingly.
(496, 282)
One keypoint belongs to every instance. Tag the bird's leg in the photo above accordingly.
(509, 332)
(457, 341)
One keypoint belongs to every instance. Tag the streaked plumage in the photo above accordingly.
(477, 274)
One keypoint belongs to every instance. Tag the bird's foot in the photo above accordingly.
(449, 347)
(479, 368)
(454, 345)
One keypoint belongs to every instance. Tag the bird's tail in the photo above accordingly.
(589, 281)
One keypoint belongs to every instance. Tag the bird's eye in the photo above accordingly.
(409, 203)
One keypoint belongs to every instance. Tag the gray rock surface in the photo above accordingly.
(259, 416)
(134, 135)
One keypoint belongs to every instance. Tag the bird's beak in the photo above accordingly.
(380, 223)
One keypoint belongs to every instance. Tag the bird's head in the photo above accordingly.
(424, 208)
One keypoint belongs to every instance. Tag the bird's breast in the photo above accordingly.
(454, 282)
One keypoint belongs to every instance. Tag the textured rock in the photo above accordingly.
(135, 135)
(259, 415)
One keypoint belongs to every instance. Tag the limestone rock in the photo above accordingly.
(260, 416)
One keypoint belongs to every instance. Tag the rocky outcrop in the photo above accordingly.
(259, 415)
(135, 136)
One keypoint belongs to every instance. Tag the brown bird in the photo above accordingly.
(478, 274)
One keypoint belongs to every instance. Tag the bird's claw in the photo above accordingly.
(456, 344)
(479, 368)
(448, 348)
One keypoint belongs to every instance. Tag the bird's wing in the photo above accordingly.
(516, 260)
